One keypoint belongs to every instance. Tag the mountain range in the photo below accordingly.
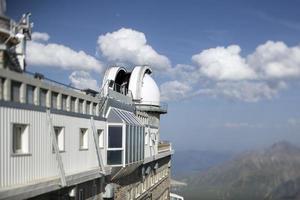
(271, 173)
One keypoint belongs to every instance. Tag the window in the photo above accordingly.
(80, 106)
(73, 101)
(114, 157)
(20, 139)
(54, 97)
(115, 137)
(100, 138)
(60, 137)
(43, 97)
(83, 138)
(15, 91)
(115, 150)
(30, 94)
(64, 102)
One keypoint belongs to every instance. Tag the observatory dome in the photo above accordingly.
(149, 91)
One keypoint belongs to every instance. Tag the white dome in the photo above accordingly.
(149, 92)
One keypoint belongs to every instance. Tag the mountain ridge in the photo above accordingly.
(260, 174)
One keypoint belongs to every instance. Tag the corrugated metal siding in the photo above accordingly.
(42, 163)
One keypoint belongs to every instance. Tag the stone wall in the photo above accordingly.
(155, 184)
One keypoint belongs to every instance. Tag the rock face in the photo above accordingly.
(273, 173)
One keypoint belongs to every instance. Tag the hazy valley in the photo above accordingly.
(271, 173)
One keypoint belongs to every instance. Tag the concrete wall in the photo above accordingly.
(155, 185)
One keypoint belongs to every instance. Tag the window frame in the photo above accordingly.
(101, 140)
(64, 139)
(82, 148)
(27, 129)
(122, 148)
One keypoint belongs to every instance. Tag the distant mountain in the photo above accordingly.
(186, 162)
(273, 173)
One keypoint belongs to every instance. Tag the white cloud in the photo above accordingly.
(60, 56)
(174, 90)
(276, 60)
(37, 36)
(223, 72)
(245, 90)
(186, 73)
(83, 80)
(223, 63)
(128, 45)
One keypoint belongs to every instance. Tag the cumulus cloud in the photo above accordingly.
(60, 56)
(174, 90)
(37, 36)
(223, 63)
(276, 60)
(245, 90)
(128, 45)
(83, 80)
(224, 72)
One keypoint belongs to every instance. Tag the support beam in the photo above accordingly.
(56, 150)
(96, 142)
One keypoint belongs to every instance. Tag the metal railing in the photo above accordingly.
(50, 81)
(110, 84)
(162, 105)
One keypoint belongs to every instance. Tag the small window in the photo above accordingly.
(60, 137)
(15, 91)
(43, 97)
(64, 102)
(80, 106)
(54, 97)
(83, 138)
(100, 138)
(73, 101)
(30, 94)
(20, 139)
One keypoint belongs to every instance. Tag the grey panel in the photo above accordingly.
(114, 117)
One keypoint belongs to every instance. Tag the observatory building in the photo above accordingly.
(60, 142)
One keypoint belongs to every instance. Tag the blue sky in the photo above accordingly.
(214, 107)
